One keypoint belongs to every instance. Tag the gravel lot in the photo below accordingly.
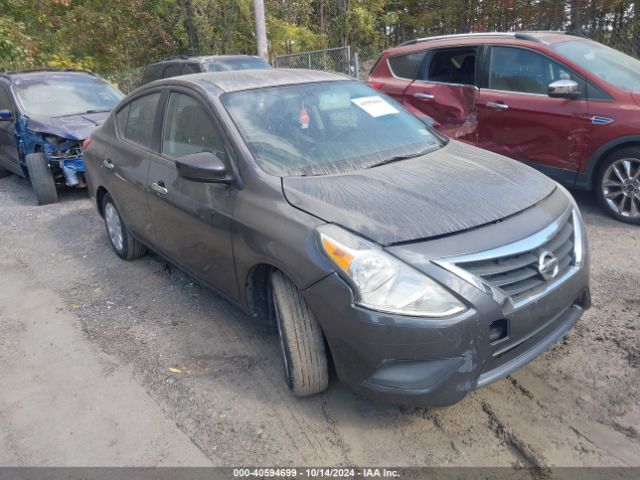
(215, 373)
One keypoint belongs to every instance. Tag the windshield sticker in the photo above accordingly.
(374, 106)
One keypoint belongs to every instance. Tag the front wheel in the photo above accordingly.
(41, 178)
(618, 185)
(125, 246)
(301, 340)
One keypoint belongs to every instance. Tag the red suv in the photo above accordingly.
(564, 104)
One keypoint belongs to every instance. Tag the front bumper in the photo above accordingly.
(428, 362)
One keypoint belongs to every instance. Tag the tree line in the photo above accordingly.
(110, 35)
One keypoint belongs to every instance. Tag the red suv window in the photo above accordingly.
(406, 66)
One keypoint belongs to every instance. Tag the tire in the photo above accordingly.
(617, 185)
(125, 246)
(4, 173)
(41, 178)
(301, 340)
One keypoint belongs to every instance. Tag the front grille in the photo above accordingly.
(517, 274)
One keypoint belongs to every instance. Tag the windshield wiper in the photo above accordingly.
(398, 158)
(97, 110)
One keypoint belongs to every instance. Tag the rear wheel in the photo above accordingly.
(618, 185)
(41, 178)
(125, 246)
(301, 340)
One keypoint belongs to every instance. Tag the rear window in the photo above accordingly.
(406, 66)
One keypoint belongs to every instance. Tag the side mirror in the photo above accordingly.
(204, 167)
(563, 89)
(5, 115)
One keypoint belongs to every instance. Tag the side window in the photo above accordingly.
(172, 70)
(521, 70)
(5, 100)
(140, 120)
(453, 65)
(188, 128)
(406, 66)
(152, 72)
(188, 68)
(121, 120)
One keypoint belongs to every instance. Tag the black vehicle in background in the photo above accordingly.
(185, 64)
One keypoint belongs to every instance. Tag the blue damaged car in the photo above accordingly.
(45, 116)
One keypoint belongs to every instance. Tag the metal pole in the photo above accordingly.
(261, 29)
(356, 65)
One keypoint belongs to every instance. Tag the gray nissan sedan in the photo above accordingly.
(422, 267)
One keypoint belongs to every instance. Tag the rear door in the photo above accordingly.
(518, 119)
(192, 220)
(396, 73)
(126, 162)
(445, 90)
(8, 148)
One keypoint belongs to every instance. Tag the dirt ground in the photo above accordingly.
(214, 374)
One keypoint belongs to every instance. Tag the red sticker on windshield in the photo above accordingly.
(304, 118)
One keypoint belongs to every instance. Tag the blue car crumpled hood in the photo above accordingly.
(452, 189)
(72, 127)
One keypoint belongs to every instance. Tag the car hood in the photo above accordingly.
(452, 189)
(72, 127)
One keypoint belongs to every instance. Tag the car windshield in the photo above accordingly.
(61, 95)
(325, 128)
(223, 65)
(612, 66)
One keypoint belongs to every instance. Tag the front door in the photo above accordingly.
(192, 220)
(9, 159)
(445, 90)
(518, 119)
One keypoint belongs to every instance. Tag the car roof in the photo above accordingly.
(236, 80)
(539, 37)
(38, 75)
(202, 58)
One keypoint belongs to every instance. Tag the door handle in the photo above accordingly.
(108, 164)
(424, 96)
(159, 188)
(497, 105)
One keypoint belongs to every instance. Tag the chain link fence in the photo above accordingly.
(125, 80)
(330, 59)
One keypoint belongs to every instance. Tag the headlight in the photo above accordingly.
(382, 282)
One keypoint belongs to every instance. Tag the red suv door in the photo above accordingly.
(445, 90)
(517, 118)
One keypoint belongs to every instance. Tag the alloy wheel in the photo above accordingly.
(621, 187)
(114, 226)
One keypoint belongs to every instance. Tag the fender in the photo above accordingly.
(584, 179)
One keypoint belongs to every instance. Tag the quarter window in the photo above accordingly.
(406, 66)
(521, 70)
(188, 128)
(140, 119)
(172, 70)
(5, 100)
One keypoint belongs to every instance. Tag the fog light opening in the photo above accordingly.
(498, 330)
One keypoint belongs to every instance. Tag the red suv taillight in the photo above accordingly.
(376, 85)
(86, 143)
